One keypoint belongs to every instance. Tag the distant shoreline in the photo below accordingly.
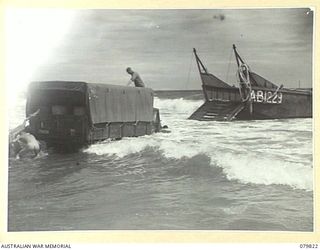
(196, 94)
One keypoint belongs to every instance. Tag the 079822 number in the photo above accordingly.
(309, 246)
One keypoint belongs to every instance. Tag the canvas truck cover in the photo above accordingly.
(59, 85)
(50, 92)
(107, 103)
(113, 103)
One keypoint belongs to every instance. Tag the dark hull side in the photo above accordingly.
(294, 105)
(225, 104)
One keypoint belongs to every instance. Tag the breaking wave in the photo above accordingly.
(178, 106)
(257, 152)
(267, 171)
(239, 166)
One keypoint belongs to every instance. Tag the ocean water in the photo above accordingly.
(243, 175)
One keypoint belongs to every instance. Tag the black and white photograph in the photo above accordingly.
(160, 119)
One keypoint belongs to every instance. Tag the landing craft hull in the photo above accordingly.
(294, 105)
(225, 104)
(285, 104)
(263, 99)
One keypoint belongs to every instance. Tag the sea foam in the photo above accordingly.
(257, 152)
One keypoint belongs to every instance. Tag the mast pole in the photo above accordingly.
(200, 65)
(238, 57)
(197, 59)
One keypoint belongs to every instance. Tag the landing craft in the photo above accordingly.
(74, 114)
(254, 98)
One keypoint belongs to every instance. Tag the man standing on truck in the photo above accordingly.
(135, 78)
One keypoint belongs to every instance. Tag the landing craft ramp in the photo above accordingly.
(217, 111)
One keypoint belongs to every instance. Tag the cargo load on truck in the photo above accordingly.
(80, 113)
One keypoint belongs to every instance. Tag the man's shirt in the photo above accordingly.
(137, 80)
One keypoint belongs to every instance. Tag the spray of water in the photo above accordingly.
(246, 151)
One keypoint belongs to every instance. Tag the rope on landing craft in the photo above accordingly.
(229, 66)
(188, 80)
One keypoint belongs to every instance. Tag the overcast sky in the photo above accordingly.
(100, 44)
